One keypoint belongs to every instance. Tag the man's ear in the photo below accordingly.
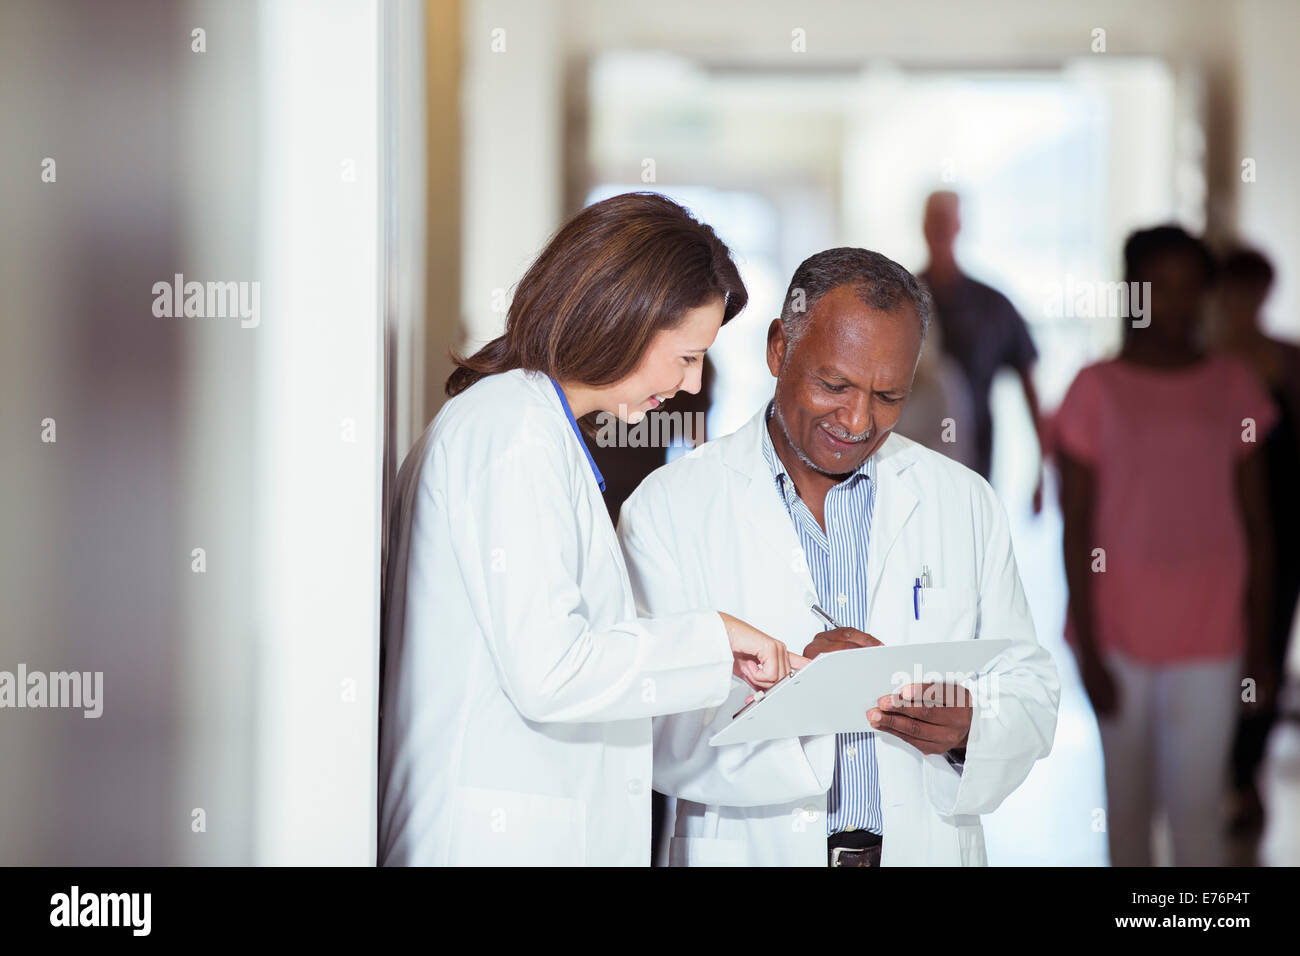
(776, 345)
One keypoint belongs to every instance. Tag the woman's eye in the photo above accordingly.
(690, 359)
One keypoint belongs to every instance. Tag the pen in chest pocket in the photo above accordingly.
(918, 591)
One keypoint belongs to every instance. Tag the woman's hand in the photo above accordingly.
(760, 660)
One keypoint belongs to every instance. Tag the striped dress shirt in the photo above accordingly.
(837, 560)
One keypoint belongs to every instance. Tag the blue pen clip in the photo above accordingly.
(916, 605)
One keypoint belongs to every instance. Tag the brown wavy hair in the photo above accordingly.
(612, 277)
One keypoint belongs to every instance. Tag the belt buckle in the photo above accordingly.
(867, 855)
(837, 852)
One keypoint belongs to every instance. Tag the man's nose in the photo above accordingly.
(856, 418)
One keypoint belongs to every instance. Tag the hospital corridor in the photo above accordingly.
(590, 433)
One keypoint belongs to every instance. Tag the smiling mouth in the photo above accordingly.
(838, 442)
(657, 400)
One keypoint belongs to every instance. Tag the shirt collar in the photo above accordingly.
(573, 423)
(865, 471)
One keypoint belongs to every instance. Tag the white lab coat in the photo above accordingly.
(710, 530)
(518, 684)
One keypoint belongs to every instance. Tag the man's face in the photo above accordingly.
(1241, 300)
(942, 220)
(841, 388)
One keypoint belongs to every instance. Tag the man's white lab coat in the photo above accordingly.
(710, 530)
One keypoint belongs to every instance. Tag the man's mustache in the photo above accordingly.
(843, 435)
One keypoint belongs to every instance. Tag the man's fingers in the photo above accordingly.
(903, 726)
(851, 637)
(925, 746)
(926, 696)
(824, 644)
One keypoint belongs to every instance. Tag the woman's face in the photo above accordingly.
(1178, 288)
(674, 361)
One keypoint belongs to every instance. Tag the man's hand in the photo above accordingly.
(933, 718)
(839, 639)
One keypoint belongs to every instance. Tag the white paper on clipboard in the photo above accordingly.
(833, 694)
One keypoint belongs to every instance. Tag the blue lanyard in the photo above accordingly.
(573, 423)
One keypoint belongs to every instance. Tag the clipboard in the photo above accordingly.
(833, 694)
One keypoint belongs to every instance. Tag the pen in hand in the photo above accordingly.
(817, 609)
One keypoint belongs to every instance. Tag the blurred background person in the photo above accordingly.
(1245, 280)
(624, 461)
(981, 329)
(1166, 554)
(939, 402)
(1279, 777)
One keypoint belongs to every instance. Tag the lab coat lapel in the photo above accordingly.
(768, 519)
(895, 504)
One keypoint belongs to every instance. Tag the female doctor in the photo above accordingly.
(518, 683)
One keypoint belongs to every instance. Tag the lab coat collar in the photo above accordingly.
(896, 497)
(745, 455)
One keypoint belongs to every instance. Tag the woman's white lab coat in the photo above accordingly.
(518, 685)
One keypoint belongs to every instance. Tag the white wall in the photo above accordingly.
(511, 113)
(320, 430)
(1268, 131)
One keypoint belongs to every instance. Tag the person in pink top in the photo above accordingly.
(1166, 555)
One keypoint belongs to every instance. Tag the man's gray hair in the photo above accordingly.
(880, 282)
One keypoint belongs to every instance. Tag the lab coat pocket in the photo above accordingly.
(705, 851)
(944, 614)
(508, 828)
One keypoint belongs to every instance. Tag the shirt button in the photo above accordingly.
(842, 598)
(850, 751)
(634, 787)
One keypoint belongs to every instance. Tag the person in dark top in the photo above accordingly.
(1246, 278)
(625, 464)
(981, 329)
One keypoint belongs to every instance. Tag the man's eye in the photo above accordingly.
(891, 399)
(833, 388)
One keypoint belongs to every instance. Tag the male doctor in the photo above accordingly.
(816, 502)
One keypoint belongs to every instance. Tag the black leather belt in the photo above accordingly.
(854, 848)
